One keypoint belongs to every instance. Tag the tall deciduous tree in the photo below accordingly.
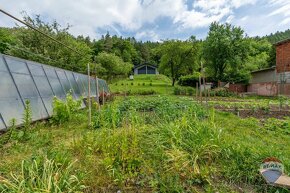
(111, 65)
(178, 58)
(225, 50)
(34, 46)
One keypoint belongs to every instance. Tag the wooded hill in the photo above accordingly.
(226, 53)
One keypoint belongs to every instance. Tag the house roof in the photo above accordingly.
(145, 64)
(264, 69)
(282, 42)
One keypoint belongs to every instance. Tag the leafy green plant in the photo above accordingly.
(42, 175)
(190, 91)
(176, 91)
(27, 120)
(282, 101)
(65, 110)
(8, 135)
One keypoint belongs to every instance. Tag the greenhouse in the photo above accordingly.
(22, 80)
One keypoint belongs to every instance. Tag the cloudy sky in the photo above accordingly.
(154, 19)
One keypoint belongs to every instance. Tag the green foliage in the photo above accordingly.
(183, 91)
(8, 135)
(189, 80)
(64, 111)
(278, 36)
(282, 101)
(225, 50)
(113, 65)
(178, 58)
(222, 92)
(42, 175)
(155, 144)
(27, 120)
(6, 38)
(32, 45)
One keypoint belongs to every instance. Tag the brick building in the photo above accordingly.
(275, 80)
(283, 66)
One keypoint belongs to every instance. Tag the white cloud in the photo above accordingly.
(148, 35)
(86, 16)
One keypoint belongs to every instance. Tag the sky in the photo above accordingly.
(154, 20)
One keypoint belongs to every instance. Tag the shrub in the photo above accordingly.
(64, 110)
(7, 137)
(132, 83)
(27, 119)
(222, 92)
(145, 92)
(150, 84)
(143, 84)
(179, 91)
(188, 80)
(190, 91)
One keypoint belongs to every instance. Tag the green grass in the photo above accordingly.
(147, 144)
(159, 84)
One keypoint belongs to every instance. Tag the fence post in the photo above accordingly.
(89, 95)
(196, 91)
(103, 96)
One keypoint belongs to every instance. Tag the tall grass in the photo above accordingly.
(42, 175)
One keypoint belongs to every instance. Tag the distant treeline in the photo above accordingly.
(226, 54)
(278, 36)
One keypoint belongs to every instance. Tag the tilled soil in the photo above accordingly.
(259, 114)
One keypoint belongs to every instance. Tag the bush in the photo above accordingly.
(143, 84)
(188, 80)
(64, 110)
(190, 91)
(179, 91)
(150, 84)
(145, 92)
(132, 83)
(222, 92)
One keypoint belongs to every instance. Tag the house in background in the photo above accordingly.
(145, 68)
(275, 80)
(263, 82)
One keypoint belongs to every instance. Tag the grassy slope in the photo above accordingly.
(228, 152)
(158, 83)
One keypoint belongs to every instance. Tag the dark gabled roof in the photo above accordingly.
(145, 64)
(282, 42)
(264, 69)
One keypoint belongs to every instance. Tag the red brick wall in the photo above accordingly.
(238, 88)
(283, 57)
(263, 89)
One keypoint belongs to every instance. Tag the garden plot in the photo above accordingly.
(259, 108)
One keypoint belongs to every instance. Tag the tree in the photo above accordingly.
(112, 65)
(6, 38)
(34, 46)
(178, 58)
(225, 51)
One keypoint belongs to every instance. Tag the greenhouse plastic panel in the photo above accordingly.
(22, 80)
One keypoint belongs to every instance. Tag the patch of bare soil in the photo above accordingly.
(259, 114)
